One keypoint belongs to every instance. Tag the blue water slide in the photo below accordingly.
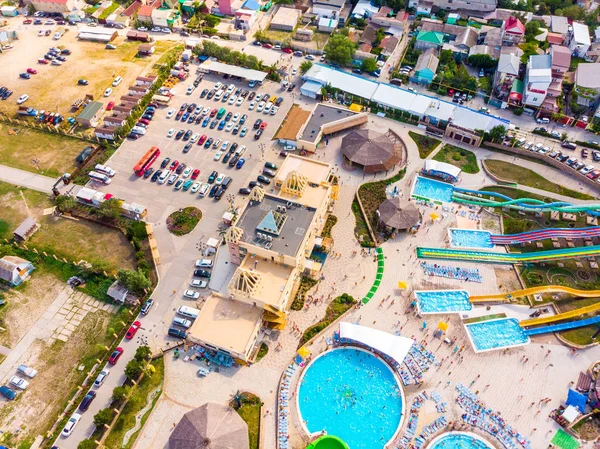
(563, 326)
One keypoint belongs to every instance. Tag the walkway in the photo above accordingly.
(27, 179)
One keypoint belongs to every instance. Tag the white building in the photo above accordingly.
(537, 79)
(579, 39)
(329, 9)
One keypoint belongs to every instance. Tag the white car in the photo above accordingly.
(216, 143)
(198, 110)
(117, 81)
(155, 29)
(171, 132)
(235, 117)
(194, 137)
(251, 106)
(187, 172)
(218, 86)
(19, 382)
(204, 263)
(28, 371)
(294, 71)
(239, 101)
(206, 110)
(170, 113)
(232, 99)
(197, 283)
(217, 156)
(41, 33)
(229, 127)
(166, 30)
(101, 377)
(107, 92)
(22, 99)
(142, 29)
(195, 187)
(56, 62)
(225, 145)
(71, 423)
(219, 179)
(260, 106)
(204, 189)
(274, 110)
(191, 294)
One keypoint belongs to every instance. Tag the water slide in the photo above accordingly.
(560, 316)
(541, 234)
(535, 290)
(562, 326)
(506, 258)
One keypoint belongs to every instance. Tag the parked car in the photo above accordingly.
(202, 273)
(197, 283)
(19, 382)
(177, 333)
(133, 330)
(263, 179)
(114, 357)
(191, 294)
(71, 423)
(87, 401)
(28, 371)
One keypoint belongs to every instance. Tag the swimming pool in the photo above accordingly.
(496, 334)
(353, 395)
(432, 190)
(469, 238)
(443, 301)
(459, 440)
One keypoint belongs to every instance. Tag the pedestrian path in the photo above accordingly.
(378, 277)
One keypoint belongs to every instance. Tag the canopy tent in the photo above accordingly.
(393, 346)
(399, 214)
(576, 399)
(402, 284)
(571, 413)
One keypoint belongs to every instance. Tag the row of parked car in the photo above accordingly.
(142, 124)
(54, 56)
(18, 382)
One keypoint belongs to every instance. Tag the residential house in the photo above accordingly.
(429, 39)
(388, 45)
(132, 98)
(330, 9)
(15, 270)
(472, 6)
(466, 39)
(62, 6)
(587, 83)
(555, 38)
(165, 18)
(364, 9)
(427, 65)
(326, 25)
(137, 90)
(125, 108)
(393, 24)
(132, 9)
(144, 14)
(513, 31)
(90, 115)
(506, 72)
(424, 7)
(578, 39)
(537, 79)
(105, 133)
(561, 61)
(368, 35)
(559, 25)
(482, 49)
(145, 81)
(145, 50)
(285, 19)
(115, 120)
(244, 19)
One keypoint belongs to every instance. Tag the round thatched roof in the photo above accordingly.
(399, 214)
(374, 151)
(210, 426)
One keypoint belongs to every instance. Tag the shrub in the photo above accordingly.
(184, 221)
(306, 284)
(104, 416)
(335, 309)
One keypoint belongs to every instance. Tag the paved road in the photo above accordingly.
(27, 179)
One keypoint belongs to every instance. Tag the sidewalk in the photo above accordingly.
(24, 178)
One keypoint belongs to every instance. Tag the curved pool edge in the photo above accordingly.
(396, 377)
(459, 432)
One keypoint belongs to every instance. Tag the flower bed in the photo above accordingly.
(184, 221)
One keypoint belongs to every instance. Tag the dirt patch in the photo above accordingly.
(506, 279)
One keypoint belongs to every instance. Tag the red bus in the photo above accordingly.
(146, 161)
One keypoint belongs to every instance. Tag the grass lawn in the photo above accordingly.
(250, 413)
(530, 178)
(459, 157)
(55, 153)
(425, 144)
(107, 249)
(278, 35)
(138, 401)
(335, 309)
(306, 283)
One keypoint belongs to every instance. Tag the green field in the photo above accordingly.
(459, 157)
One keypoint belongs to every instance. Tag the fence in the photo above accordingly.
(46, 128)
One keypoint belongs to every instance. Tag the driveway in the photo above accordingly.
(27, 179)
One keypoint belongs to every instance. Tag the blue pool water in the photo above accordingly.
(459, 441)
(441, 301)
(497, 334)
(468, 238)
(353, 395)
(433, 190)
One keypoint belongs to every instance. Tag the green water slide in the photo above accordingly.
(328, 442)
(378, 277)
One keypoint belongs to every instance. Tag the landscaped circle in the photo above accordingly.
(459, 440)
(183, 221)
(353, 395)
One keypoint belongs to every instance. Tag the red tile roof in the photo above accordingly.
(62, 2)
(145, 11)
(514, 25)
(131, 9)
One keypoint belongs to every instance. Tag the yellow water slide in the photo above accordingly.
(533, 291)
(560, 316)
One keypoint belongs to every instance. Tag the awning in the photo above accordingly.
(576, 399)
(571, 413)
(393, 346)
(584, 382)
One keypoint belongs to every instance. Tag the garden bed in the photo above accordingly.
(459, 157)
(372, 194)
(306, 284)
(248, 407)
(184, 220)
(425, 144)
(335, 309)
(329, 224)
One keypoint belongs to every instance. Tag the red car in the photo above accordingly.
(213, 112)
(196, 172)
(32, 71)
(132, 330)
(263, 125)
(174, 165)
(43, 61)
(267, 46)
(110, 105)
(202, 139)
(27, 21)
(179, 114)
(287, 50)
(114, 357)
(145, 121)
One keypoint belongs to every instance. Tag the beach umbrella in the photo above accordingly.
(434, 216)
(402, 284)
(303, 352)
(443, 326)
(424, 324)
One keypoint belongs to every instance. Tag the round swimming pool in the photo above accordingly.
(459, 440)
(353, 395)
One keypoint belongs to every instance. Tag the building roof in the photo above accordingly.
(509, 63)
(324, 22)
(369, 34)
(430, 36)
(559, 24)
(292, 123)
(117, 291)
(337, 4)
(398, 213)
(493, 37)
(467, 37)
(427, 60)
(348, 82)
(133, 8)
(469, 119)
(432, 25)
(561, 56)
(90, 111)
(8, 264)
(226, 324)
(210, 426)
(286, 16)
(581, 34)
(514, 26)
(369, 148)
(251, 5)
(555, 38)
(364, 47)
(25, 228)
(364, 8)
(248, 74)
(315, 171)
(145, 11)
(61, 2)
(442, 167)
(389, 43)
(586, 75)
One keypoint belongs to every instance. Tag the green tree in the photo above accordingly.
(134, 281)
(133, 369)
(369, 65)
(110, 208)
(446, 57)
(65, 203)
(143, 353)
(305, 67)
(482, 61)
(104, 416)
(340, 49)
(497, 133)
(532, 29)
(119, 393)
(88, 443)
